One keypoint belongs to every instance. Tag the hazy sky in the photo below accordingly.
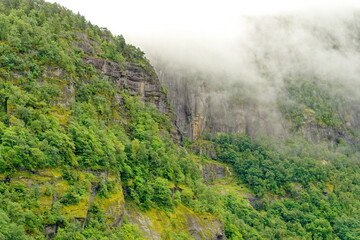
(315, 39)
(211, 34)
(144, 18)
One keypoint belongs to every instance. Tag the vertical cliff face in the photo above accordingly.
(182, 221)
(138, 78)
(237, 88)
(202, 106)
(206, 104)
(135, 79)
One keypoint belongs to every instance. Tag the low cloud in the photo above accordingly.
(248, 61)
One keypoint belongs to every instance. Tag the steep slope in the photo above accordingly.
(84, 124)
(277, 64)
(88, 149)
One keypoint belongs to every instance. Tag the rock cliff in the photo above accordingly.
(202, 105)
(135, 79)
(205, 104)
(159, 225)
(131, 76)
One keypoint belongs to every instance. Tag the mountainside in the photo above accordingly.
(283, 74)
(93, 147)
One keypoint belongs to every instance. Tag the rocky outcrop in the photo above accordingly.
(203, 104)
(154, 224)
(50, 230)
(204, 148)
(135, 79)
(211, 171)
(159, 225)
(317, 133)
(52, 187)
(86, 44)
(138, 79)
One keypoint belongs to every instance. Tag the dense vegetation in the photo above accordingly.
(306, 191)
(43, 126)
(60, 114)
(313, 101)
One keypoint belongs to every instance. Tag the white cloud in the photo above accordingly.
(135, 18)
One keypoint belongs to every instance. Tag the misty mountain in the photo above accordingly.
(247, 87)
(254, 139)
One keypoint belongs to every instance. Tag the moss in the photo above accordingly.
(181, 222)
(202, 161)
(113, 206)
(60, 188)
(329, 187)
(231, 185)
(52, 172)
(62, 115)
(28, 178)
(77, 211)
(45, 201)
(2, 177)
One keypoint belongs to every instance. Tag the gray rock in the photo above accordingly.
(197, 225)
(50, 230)
(136, 79)
(86, 44)
(205, 105)
(212, 171)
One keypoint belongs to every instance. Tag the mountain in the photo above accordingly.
(93, 146)
(283, 74)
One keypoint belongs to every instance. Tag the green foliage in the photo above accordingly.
(308, 101)
(107, 188)
(72, 197)
(58, 111)
(162, 193)
(127, 231)
(10, 230)
(292, 180)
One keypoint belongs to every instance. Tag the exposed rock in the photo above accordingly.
(86, 44)
(144, 223)
(205, 105)
(155, 224)
(112, 205)
(197, 230)
(128, 75)
(50, 230)
(54, 72)
(254, 201)
(213, 171)
(317, 133)
(204, 148)
(68, 93)
(136, 79)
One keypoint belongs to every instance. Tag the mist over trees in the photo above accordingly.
(84, 156)
(248, 72)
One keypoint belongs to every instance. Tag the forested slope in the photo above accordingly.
(88, 150)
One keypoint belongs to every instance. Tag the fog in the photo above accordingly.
(267, 49)
(225, 62)
(245, 40)
(240, 72)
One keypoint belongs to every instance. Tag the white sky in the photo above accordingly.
(143, 18)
